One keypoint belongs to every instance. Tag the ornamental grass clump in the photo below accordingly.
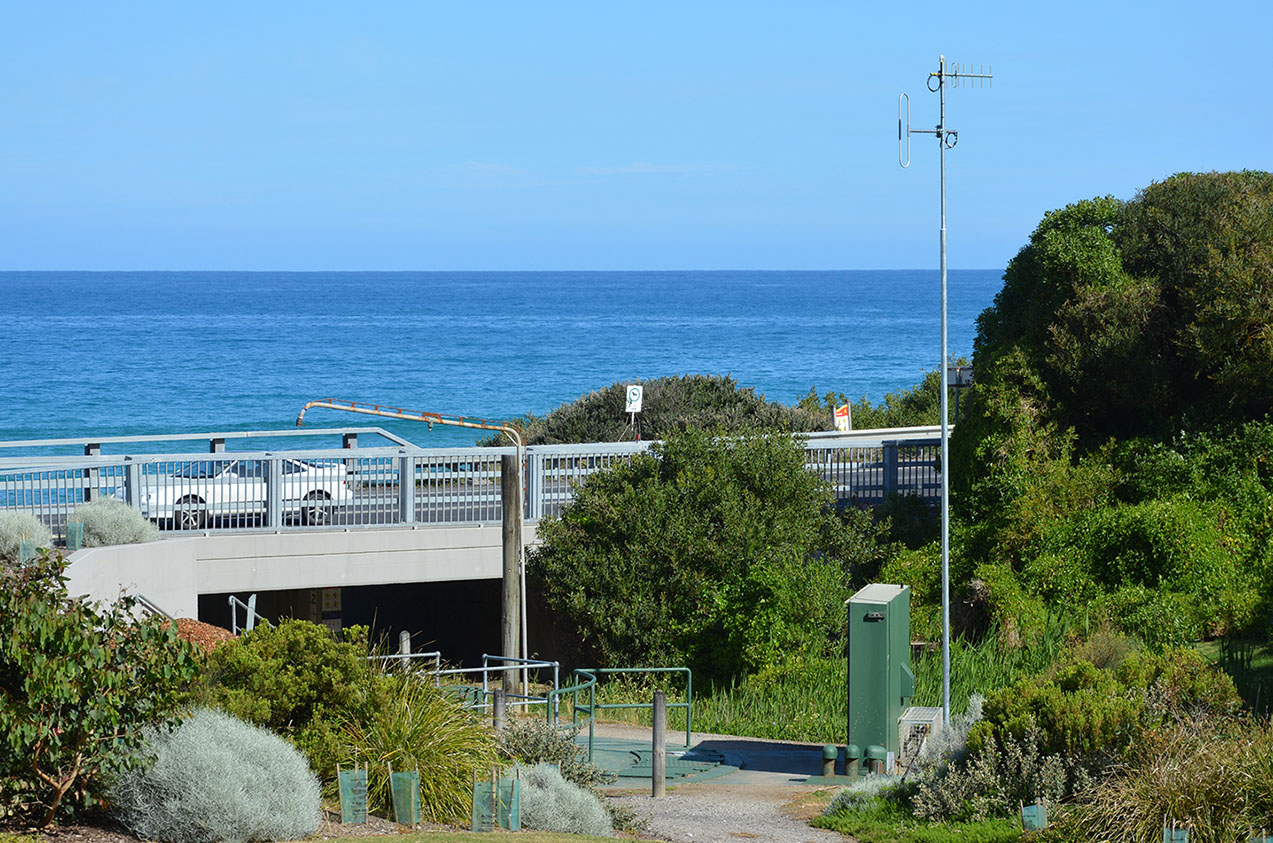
(110, 522)
(17, 528)
(415, 726)
(550, 802)
(1213, 776)
(216, 778)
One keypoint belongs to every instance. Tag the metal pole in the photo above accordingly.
(658, 758)
(945, 425)
(499, 709)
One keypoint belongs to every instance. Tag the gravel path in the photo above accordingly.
(762, 801)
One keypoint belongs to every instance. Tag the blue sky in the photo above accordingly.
(559, 135)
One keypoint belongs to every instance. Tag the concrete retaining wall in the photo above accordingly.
(172, 573)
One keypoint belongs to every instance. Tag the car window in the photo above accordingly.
(254, 469)
(290, 467)
(200, 470)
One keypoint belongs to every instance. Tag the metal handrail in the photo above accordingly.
(589, 684)
(252, 616)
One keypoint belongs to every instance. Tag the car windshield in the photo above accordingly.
(200, 469)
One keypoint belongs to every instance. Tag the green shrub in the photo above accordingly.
(551, 802)
(110, 522)
(297, 680)
(723, 554)
(1078, 710)
(216, 778)
(78, 682)
(18, 527)
(671, 405)
(532, 742)
(415, 726)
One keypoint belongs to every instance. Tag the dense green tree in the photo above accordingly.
(723, 553)
(1120, 325)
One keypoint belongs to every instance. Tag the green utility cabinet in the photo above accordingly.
(881, 683)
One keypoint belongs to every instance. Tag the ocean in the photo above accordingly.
(118, 353)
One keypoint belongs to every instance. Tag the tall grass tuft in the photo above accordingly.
(418, 728)
(1213, 776)
(216, 778)
(110, 522)
(979, 667)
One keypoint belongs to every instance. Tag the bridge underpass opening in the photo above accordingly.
(461, 619)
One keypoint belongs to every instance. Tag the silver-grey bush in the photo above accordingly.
(550, 803)
(17, 527)
(109, 522)
(216, 778)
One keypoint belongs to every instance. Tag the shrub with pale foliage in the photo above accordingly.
(110, 522)
(216, 778)
(18, 527)
(551, 803)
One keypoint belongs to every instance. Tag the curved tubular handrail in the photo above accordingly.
(590, 685)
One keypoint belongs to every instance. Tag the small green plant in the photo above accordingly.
(216, 778)
(78, 682)
(110, 522)
(551, 802)
(17, 528)
(415, 726)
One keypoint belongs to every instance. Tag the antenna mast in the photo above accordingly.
(947, 75)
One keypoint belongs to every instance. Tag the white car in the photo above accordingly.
(198, 492)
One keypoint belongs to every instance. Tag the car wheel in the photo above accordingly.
(316, 508)
(189, 514)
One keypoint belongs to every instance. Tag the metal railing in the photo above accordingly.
(590, 707)
(393, 486)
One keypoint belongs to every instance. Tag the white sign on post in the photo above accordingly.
(636, 393)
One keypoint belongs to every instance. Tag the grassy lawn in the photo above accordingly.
(889, 823)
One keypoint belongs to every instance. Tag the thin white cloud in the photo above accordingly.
(645, 167)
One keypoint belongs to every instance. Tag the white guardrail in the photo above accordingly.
(356, 487)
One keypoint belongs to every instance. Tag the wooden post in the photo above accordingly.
(498, 706)
(658, 759)
(510, 472)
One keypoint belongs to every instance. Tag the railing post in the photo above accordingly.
(534, 484)
(406, 489)
(132, 483)
(274, 493)
(890, 468)
(92, 477)
(349, 441)
(216, 446)
(658, 758)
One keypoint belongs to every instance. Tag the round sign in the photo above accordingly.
(635, 394)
